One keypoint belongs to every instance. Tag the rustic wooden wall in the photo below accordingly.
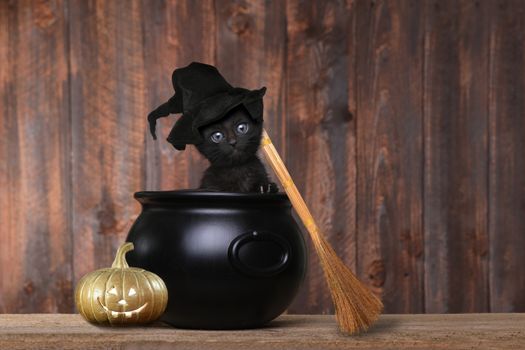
(403, 123)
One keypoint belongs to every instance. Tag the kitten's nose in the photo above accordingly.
(232, 142)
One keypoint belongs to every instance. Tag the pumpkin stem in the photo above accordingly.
(120, 258)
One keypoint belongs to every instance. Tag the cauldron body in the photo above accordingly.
(229, 260)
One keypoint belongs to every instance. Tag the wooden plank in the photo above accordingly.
(459, 331)
(389, 151)
(507, 161)
(109, 126)
(320, 131)
(251, 53)
(35, 249)
(7, 278)
(175, 34)
(456, 163)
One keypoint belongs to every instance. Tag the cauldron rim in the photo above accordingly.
(175, 196)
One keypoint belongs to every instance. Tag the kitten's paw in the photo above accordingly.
(269, 188)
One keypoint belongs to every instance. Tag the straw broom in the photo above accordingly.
(356, 306)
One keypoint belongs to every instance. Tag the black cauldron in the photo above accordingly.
(229, 260)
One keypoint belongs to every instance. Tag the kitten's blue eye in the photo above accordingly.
(242, 128)
(217, 136)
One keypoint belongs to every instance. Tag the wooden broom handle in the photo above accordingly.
(291, 190)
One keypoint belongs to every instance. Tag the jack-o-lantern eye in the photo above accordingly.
(132, 292)
(113, 291)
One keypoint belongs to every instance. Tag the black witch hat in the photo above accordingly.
(203, 96)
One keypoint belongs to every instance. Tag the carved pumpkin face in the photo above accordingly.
(121, 294)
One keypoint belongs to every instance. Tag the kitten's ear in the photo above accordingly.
(255, 107)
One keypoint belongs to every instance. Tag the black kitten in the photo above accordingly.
(231, 145)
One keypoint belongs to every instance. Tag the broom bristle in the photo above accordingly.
(356, 306)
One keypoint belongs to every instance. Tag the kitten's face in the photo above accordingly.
(232, 140)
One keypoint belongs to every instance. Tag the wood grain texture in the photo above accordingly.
(400, 121)
(456, 156)
(108, 123)
(35, 249)
(321, 131)
(507, 160)
(249, 32)
(479, 331)
(389, 151)
(251, 53)
(175, 34)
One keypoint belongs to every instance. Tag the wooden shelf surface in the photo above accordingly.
(451, 331)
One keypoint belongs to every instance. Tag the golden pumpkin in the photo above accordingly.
(121, 294)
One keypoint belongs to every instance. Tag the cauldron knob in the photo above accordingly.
(259, 253)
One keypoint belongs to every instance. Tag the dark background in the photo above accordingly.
(402, 122)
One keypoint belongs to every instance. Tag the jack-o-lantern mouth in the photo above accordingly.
(127, 314)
